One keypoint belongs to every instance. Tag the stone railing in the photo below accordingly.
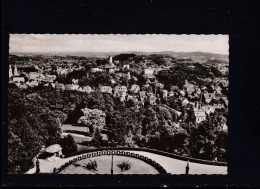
(147, 160)
(158, 152)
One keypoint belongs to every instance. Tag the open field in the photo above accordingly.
(69, 127)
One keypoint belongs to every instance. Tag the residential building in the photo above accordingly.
(60, 86)
(208, 109)
(96, 70)
(86, 89)
(171, 93)
(74, 87)
(68, 87)
(50, 78)
(225, 127)
(218, 89)
(32, 83)
(165, 93)
(182, 93)
(152, 99)
(120, 90)
(219, 105)
(106, 89)
(199, 115)
(62, 71)
(17, 79)
(126, 66)
(75, 81)
(185, 102)
(174, 87)
(23, 86)
(208, 97)
(135, 89)
(149, 73)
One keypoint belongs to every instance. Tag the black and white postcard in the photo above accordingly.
(140, 99)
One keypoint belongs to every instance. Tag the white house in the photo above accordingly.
(86, 89)
(152, 99)
(208, 109)
(23, 86)
(224, 127)
(35, 76)
(200, 115)
(126, 66)
(149, 73)
(50, 78)
(182, 93)
(106, 89)
(96, 70)
(68, 87)
(171, 93)
(142, 95)
(165, 93)
(32, 83)
(62, 71)
(75, 81)
(18, 79)
(120, 90)
(185, 102)
(60, 86)
(208, 97)
(74, 87)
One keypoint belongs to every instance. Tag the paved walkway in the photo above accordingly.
(175, 166)
(171, 165)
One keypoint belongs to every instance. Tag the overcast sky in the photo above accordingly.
(51, 43)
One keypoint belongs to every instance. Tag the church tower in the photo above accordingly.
(15, 71)
(110, 60)
(10, 71)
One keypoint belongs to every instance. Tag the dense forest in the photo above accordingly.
(36, 116)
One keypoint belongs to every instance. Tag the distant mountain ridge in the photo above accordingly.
(169, 53)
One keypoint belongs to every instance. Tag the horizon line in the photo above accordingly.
(66, 52)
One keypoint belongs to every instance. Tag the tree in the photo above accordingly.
(130, 103)
(68, 145)
(94, 117)
(97, 138)
(179, 140)
(75, 114)
(31, 125)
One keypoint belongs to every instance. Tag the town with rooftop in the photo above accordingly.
(172, 103)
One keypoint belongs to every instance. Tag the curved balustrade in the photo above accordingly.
(171, 155)
(147, 160)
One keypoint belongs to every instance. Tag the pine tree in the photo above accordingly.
(97, 138)
(68, 145)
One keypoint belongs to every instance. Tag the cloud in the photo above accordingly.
(37, 43)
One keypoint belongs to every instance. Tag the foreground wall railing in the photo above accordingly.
(167, 154)
(147, 160)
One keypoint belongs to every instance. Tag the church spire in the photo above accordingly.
(10, 71)
(15, 70)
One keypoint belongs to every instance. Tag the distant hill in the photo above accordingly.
(196, 56)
